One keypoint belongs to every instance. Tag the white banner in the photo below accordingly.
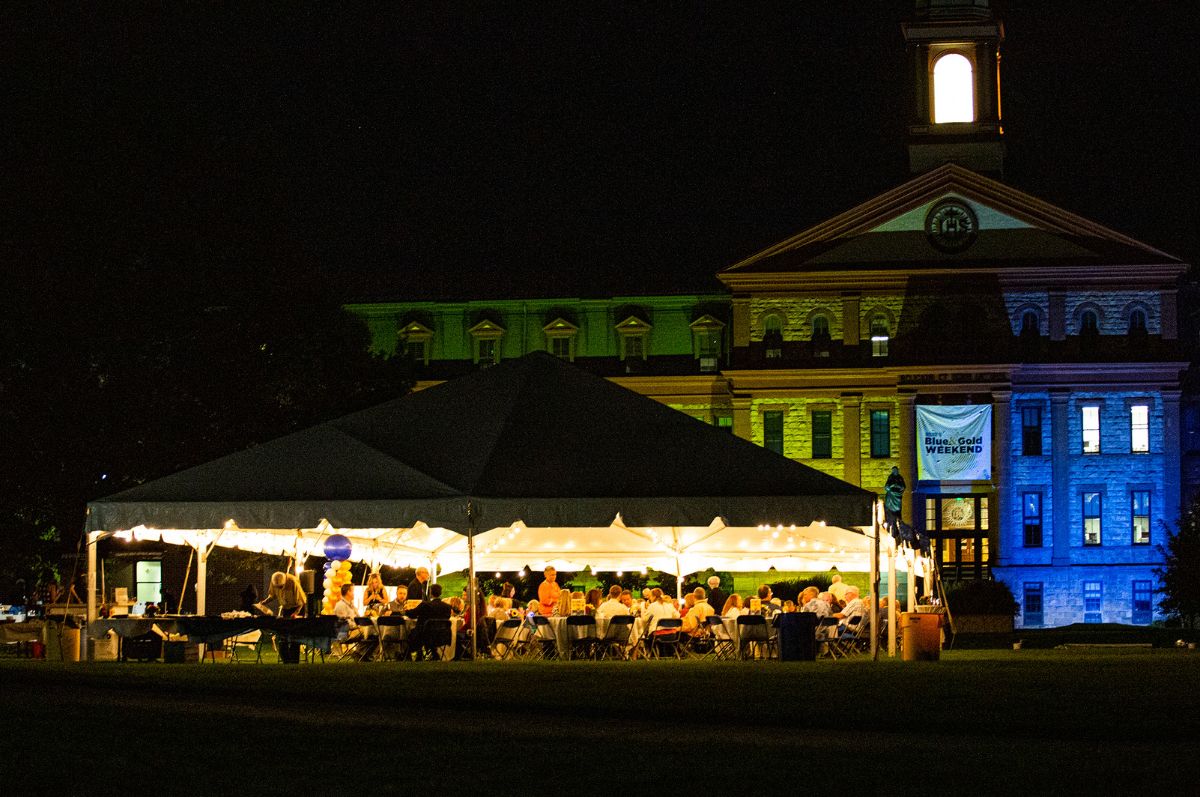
(954, 443)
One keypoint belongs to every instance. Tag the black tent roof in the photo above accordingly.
(532, 439)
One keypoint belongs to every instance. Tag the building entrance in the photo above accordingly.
(958, 527)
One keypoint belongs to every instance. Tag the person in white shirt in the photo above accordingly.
(346, 613)
(613, 606)
(855, 607)
(658, 609)
(838, 587)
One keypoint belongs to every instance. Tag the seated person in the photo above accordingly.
(855, 607)
(375, 596)
(397, 606)
(346, 614)
(695, 621)
(613, 606)
(733, 606)
(562, 607)
(811, 601)
(594, 598)
(769, 607)
(658, 609)
(627, 599)
(425, 641)
(789, 606)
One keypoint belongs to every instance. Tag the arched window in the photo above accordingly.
(1089, 323)
(773, 336)
(1029, 325)
(879, 336)
(1137, 322)
(820, 335)
(953, 90)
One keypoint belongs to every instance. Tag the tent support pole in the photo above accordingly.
(910, 556)
(471, 581)
(93, 541)
(891, 643)
(201, 587)
(875, 586)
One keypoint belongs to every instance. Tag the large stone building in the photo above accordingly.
(866, 341)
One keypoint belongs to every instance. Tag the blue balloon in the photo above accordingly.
(337, 546)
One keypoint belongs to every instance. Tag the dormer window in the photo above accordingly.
(486, 336)
(773, 337)
(633, 333)
(879, 336)
(820, 335)
(560, 338)
(953, 89)
(707, 336)
(415, 340)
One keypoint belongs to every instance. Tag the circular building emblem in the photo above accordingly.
(951, 226)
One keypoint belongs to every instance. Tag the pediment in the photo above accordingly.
(1011, 229)
(633, 324)
(560, 326)
(486, 329)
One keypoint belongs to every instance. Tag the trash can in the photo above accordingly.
(921, 636)
(798, 636)
(61, 640)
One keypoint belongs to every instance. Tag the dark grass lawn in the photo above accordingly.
(977, 721)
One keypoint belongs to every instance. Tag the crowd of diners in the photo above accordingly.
(420, 600)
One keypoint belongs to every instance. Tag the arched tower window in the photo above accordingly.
(879, 336)
(773, 337)
(1137, 322)
(1029, 325)
(1089, 323)
(820, 335)
(953, 89)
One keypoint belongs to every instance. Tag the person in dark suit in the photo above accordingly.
(716, 596)
(430, 634)
(418, 587)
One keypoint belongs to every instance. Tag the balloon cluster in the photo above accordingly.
(337, 573)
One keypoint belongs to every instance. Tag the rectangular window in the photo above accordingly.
(1093, 593)
(724, 423)
(881, 442)
(1032, 503)
(1143, 606)
(1033, 614)
(487, 350)
(1091, 430)
(773, 431)
(822, 434)
(1139, 429)
(1139, 507)
(635, 347)
(1091, 518)
(149, 581)
(415, 351)
(561, 347)
(1031, 431)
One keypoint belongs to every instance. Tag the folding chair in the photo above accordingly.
(666, 638)
(581, 636)
(393, 636)
(827, 636)
(615, 642)
(356, 642)
(251, 639)
(545, 643)
(511, 640)
(857, 639)
(754, 636)
(430, 639)
(724, 648)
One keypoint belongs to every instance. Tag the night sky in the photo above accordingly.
(413, 149)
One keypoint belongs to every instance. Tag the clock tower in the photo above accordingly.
(954, 54)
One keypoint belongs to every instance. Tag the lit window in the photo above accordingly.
(1091, 430)
(1032, 613)
(1093, 594)
(707, 335)
(1139, 429)
(1091, 518)
(1032, 513)
(1143, 606)
(1031, 431)
(1137, 322)
(822, 434)
(724, 423)
(953, 90)
(149, 581)
(881, 443)
(773, 431)
(879, 336)
(1139, 507)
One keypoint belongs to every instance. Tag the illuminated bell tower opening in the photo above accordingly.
(954, 51)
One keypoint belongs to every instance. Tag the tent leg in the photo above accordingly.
(471, 597)
(875, 588)
(911, 559)
(201, 589)
(92, 612)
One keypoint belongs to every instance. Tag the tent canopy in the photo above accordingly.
(534, 440)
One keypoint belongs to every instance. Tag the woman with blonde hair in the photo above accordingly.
(375, 596)
(563, 607)
(733, 606)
